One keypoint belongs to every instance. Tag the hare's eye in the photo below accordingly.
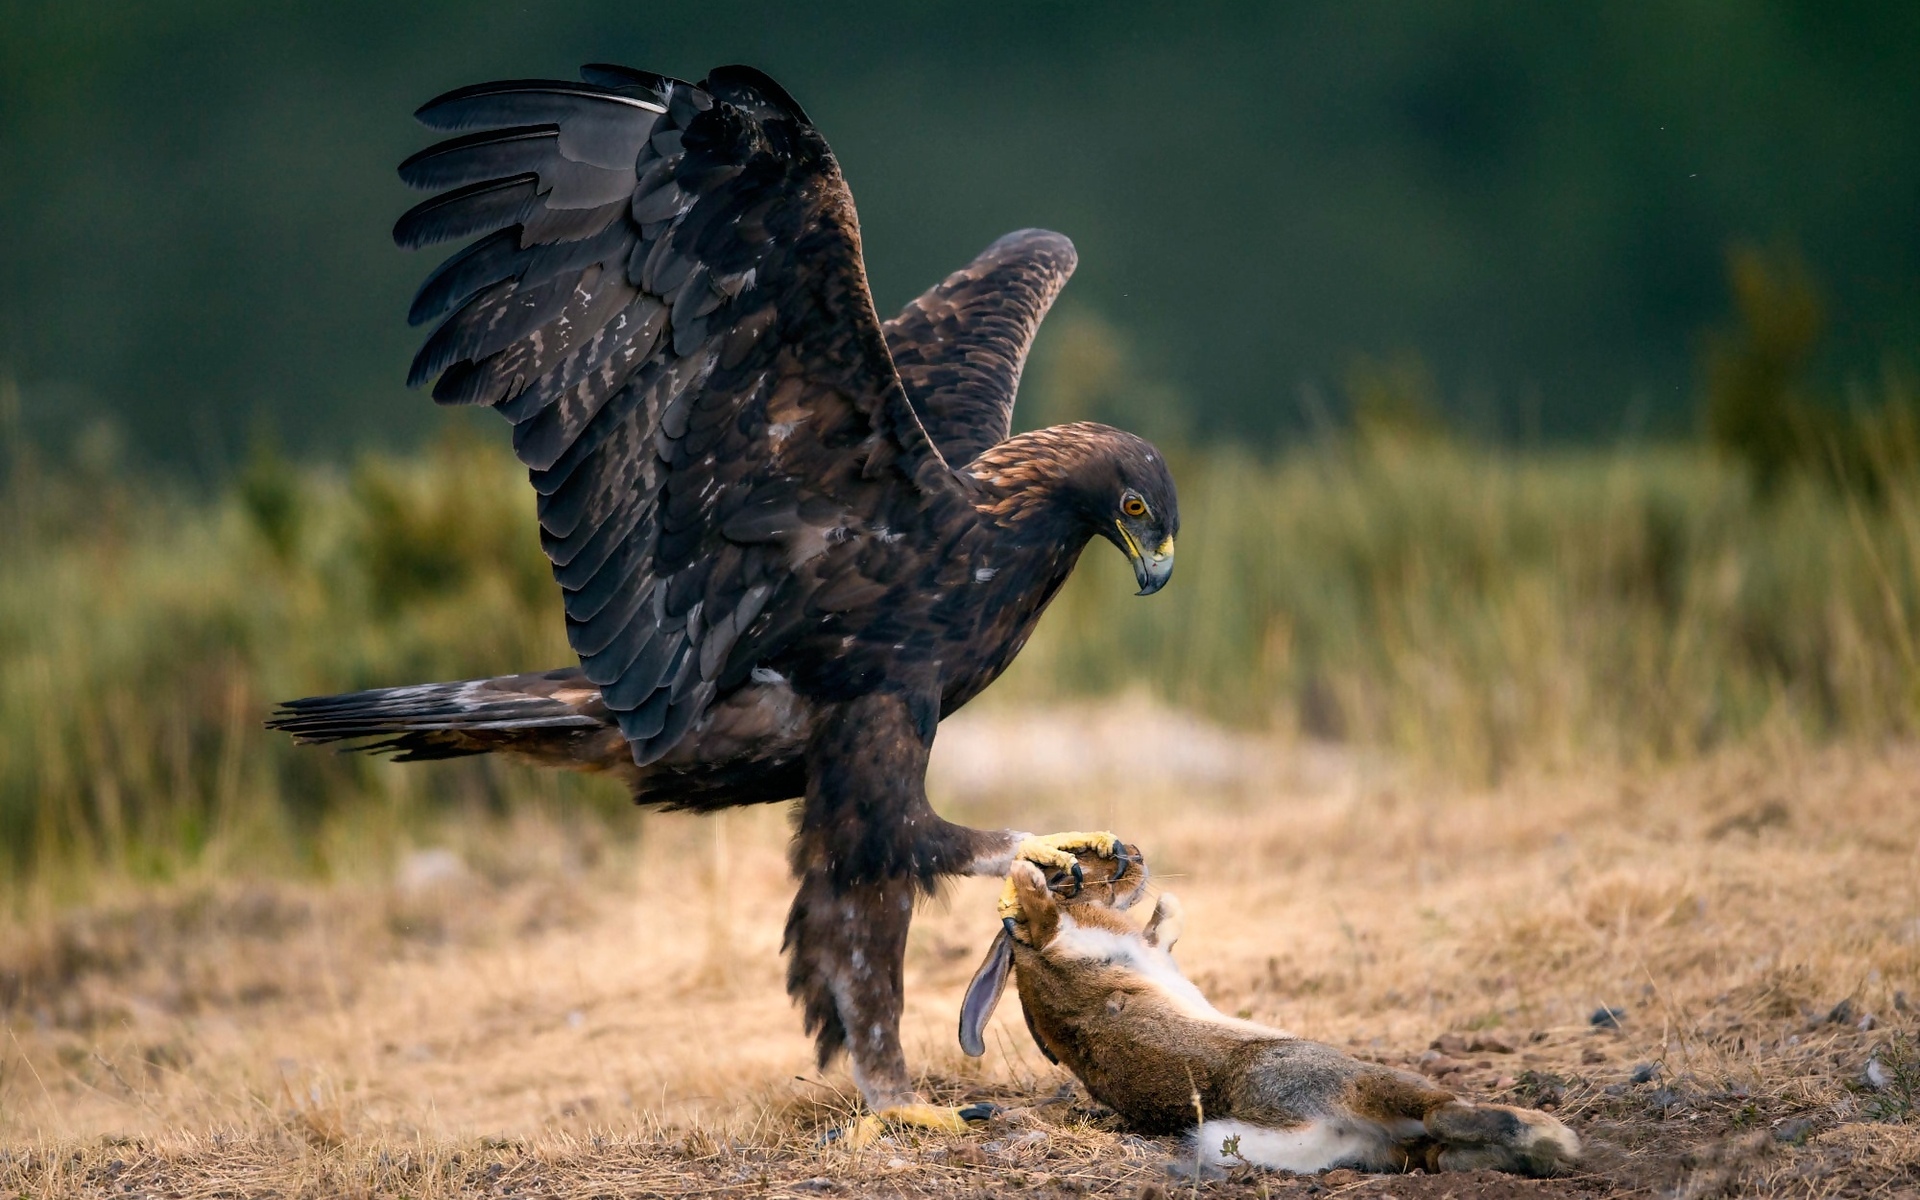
(1134, 506)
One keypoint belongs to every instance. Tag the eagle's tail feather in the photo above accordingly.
(556, 717)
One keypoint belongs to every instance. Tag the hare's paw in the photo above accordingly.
(1521, 1140)
(933, 1117)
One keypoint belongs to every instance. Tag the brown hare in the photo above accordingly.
(1104, 998)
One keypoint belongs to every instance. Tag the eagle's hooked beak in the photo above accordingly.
(1151, 569)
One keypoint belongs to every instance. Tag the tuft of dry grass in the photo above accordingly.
(560, 1005)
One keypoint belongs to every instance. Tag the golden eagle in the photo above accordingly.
(790, 538)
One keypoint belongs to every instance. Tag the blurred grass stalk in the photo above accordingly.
(1465, 609)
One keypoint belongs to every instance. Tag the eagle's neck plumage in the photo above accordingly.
(1033, 491)
(1037, 481)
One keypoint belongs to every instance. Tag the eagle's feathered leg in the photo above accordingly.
(868, 844)
(855, 855)
(847, 943)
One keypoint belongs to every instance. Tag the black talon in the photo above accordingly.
(1122, 859)
(1079, 879)
(1006, 923)
(983, 1111)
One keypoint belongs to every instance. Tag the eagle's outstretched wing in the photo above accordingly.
(667, 300)
(960, 347)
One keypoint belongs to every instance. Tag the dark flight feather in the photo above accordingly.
(627, 79)
(489, 154)
(477, 208)
(511, 102)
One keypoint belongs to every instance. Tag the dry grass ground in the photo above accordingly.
(555, 1008)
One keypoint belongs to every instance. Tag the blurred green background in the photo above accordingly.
(1534, 200)
(1542, 382)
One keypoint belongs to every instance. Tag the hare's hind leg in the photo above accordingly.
(1525, 1141)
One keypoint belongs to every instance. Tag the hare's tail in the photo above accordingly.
(1312, 1145)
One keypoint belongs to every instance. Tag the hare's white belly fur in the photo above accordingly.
(1154, 966)
(1306, 1148)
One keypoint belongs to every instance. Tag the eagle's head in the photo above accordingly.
(1083, 479)
(1126, 492)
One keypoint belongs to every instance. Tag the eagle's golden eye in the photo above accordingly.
(1134, 506)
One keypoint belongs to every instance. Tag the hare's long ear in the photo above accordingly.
(983, 994)
(1168, 920)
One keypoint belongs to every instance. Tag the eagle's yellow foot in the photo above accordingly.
(1054, 853)
(935, 1117)
(1061, 851)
